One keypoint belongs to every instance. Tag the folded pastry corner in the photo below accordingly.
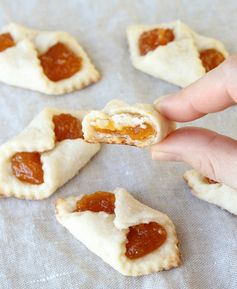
(49, 62)
(173, 52)
(119, 123)
(131, 237)
(45, 155)
(212, 52)
(212, 191)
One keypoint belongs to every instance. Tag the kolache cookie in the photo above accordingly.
(211, 191)
(173, 52)
(132, 238)
(47, 154)
(138, 125)
(49, 62)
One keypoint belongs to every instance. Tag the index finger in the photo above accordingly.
(214, 92)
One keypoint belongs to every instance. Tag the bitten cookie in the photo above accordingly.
(138, 125)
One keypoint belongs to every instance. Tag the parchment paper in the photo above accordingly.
(37, 252)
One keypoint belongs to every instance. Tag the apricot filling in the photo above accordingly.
(143, 239)
(97, 202)
(6, 41)
(27, 167)
(138, 132)
(211, 58)
(67, 126)
(209, 181)
(150, 40)
(59, 62)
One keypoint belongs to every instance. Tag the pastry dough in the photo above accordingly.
(203, 42)
(20, 65)
(216, 193)
(123, 115)
(105, 234)
(60, 160)
(178, 61)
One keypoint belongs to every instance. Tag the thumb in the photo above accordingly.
(212, 154)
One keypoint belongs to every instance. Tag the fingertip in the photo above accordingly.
(182, 143)
(176, 107)
(162, 98)
(158, 152)
(162, 102)
(214, 92)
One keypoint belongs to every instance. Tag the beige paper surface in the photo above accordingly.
(36, 252)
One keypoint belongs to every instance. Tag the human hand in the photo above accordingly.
(210, 153)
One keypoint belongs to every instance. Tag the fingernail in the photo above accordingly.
(161, 101)
(163, 156)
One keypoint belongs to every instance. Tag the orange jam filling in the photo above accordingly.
(150, 40)
(211, 58)
(135, 133)
(6, 41)
(210, 181)
(143, 239)
(97, 202)
(27, 167)
(67, 126)
(59, 62)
